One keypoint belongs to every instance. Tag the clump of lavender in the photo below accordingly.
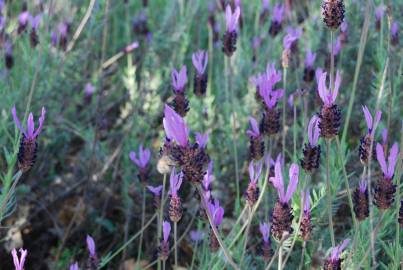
(334, 261)
(267, 250)
(256, 146)
(142, 163)
(333, 13)
(74, 266)
(277, 19)
(330, 114)
(309, 71)
(175, 203)
(217, 214)
(28, 144)
(379, 11)
(156, 191)
(8, 55)
(19, 262)
(282, 212)
(34, 38)
(252, 192)
(311, 151)
(367, 140)
(394, 34)
(200, 60)
(164, 245)
(306, 225)
(180, 102)
(361, 203)
(270, 123)
(384, 191)
(230, 36)
(93, 261)
(192, 158)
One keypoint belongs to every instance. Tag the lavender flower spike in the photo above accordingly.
(175, 127)
(278, 12)
(309, 58)
(328, 97)
(368, 118)
(179, 79)
(200, 60)
(175, 182)
(255, 170)
(217, 212)
(336, 251)
(254, 132)
(379, 11)
(35, 21)
(166, 230)
(264, 229)
(19, 262)
(143, 159)
(278, 182)
(313, 130)
(91, 246)
(30, 133)
(155, 190)
(231, 19)
(74, 266)
(388, 171)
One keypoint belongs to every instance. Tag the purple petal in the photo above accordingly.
(381, 158)
(394, 28)
(254, 126)
(30, 125)
(265, 4)
(343, 245)
(196, 235)
(166, 230)
(91, 246)
(318, 74)
(292, 185)
(368, 117)
(175, 127)
(74, 266)
(336, 86)
(265, 231)
(306, 201)
(378, 116)
(322, 90)
(15, 259)
(363, 185)
(155, 190)
(277, 181)
(385, 136)
(310, 58)
(313, 130)
(202, 139)
(278, 13)
(392, 159)
(17, 121)
(379, 12)
(41, 119)
(133, 157)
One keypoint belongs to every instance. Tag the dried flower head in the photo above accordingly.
(19, 262)
(333, 13)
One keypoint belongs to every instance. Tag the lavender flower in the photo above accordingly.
(379, 11)
(231, 18)
(270, 97)
(175, 204)
(311, 151)
(265, 4)
(91, 246)
(201, 139)
(252, 192)
(175, 127)
(19, 262)
(360, 200)
(278, 182)
(179, 79)
(306, 226)
(164, 246)
(326, 94)
(313, 130)
(372, 125)
(394, 34)
(156, 191)
(217, 212)
(293, 34)
(200, 60)
(254, 132)
(131, 47)
(207, 180)
(334, 261)
(309, 59)
(267, 250)
(143, 157)
(28, 145)
(388, 171)
(8, 57)
(175, 182)
(74, 266)
(23, 19)
(278, 13)
(366, 141)
(264, 229)
(196, 236)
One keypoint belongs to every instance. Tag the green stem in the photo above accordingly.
(249, 222)
(331, 61)
(161, 215)
(280, 258)
(284, 106)
(143, 210)
(329, 193)
(175, 245)
(301, 263)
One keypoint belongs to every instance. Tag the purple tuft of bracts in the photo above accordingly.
(19, 262)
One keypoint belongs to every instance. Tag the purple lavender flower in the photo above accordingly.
(264, 229)
(175, 182)
(19, 262)
(196, 236)
(272, 75)
(306, 226)
(231, 19)
(201, 139)
(155, 190)
(344, 27)
(293, 34)
(91, 246)
(313, 130)
(74, 266)
(166, 230)
(35, 21)
(252, 192)
(388, 171)
(270, 96)
(217, 212)
(23, 19)
(30, 133)
(8, 57)
(334, 261)
(379, 11)
(328, 97)
(372, 125)
(175, 127)
(363, 185)
(278, 13)
(394, 34)
(278, 182)
(265, 4)
(179, 79)
(309, 58)
(385, 137)
(143, 159)
(336, 46)
(131, 47)
(254, 132)
(318, 74)
(200, 60)
(208, 178)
